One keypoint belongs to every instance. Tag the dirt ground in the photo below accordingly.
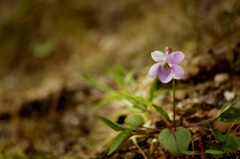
(47, 110)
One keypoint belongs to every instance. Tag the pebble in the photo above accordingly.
(229, 95)
(220, 78)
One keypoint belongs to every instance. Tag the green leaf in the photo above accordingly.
(237, 140)
(42, 48)
(153, 89)
(127, 100)
(189, 152)
(190, 111)
(117, 75)
(134, 99)
(135, 121)
(119, 140)
(218, 135)
(175, 141)
(131, 107)
(111, 124)
(224, 109)
(161, 111)
(123, 77)
(214, 152)
(97, 84)
(230, 115)
(108, 99)
(129, 78)
(230, 144)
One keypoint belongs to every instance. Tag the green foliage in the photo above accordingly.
(123, 78)
(237, 140)
(228, 143)
(119, 140)
(224, 109)
(135, 121)
(218, 135)
(97, 84)
(189, 152)
(214, 151)
(152, 90)
(137, 101)
(111, 124)
(190, 111)
(118, 76)
(126, 95)
(42, 49)
(231, 115)
(175, 141)
(161, 111)
(15, 152)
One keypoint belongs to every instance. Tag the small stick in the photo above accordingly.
(155, 148)
(139, 148)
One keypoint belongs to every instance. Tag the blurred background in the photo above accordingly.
(45, 46)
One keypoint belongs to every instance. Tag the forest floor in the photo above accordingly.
(48, 110)
(59, 120)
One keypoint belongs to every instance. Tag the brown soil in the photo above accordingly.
(47, 110)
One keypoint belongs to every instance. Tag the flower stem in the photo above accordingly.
(174, 107)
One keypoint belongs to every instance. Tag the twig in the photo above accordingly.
(139, 148)
(155, 148)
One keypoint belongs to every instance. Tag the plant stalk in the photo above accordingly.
(174, 106)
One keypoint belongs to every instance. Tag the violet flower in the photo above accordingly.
(167, 66)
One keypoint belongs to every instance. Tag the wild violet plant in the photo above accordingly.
(175, 136)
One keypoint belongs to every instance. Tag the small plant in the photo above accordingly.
(174, 135)
(174, 138)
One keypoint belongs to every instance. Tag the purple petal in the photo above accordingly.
(165, 74)
(177, 72)
(158, 56)
(154, 70)
(175, 57)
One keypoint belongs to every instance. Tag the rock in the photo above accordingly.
(220, 78)
(229, 95)
(204, 65)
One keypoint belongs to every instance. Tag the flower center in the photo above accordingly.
(166, 68)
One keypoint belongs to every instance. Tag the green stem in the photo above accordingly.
(174, 107)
